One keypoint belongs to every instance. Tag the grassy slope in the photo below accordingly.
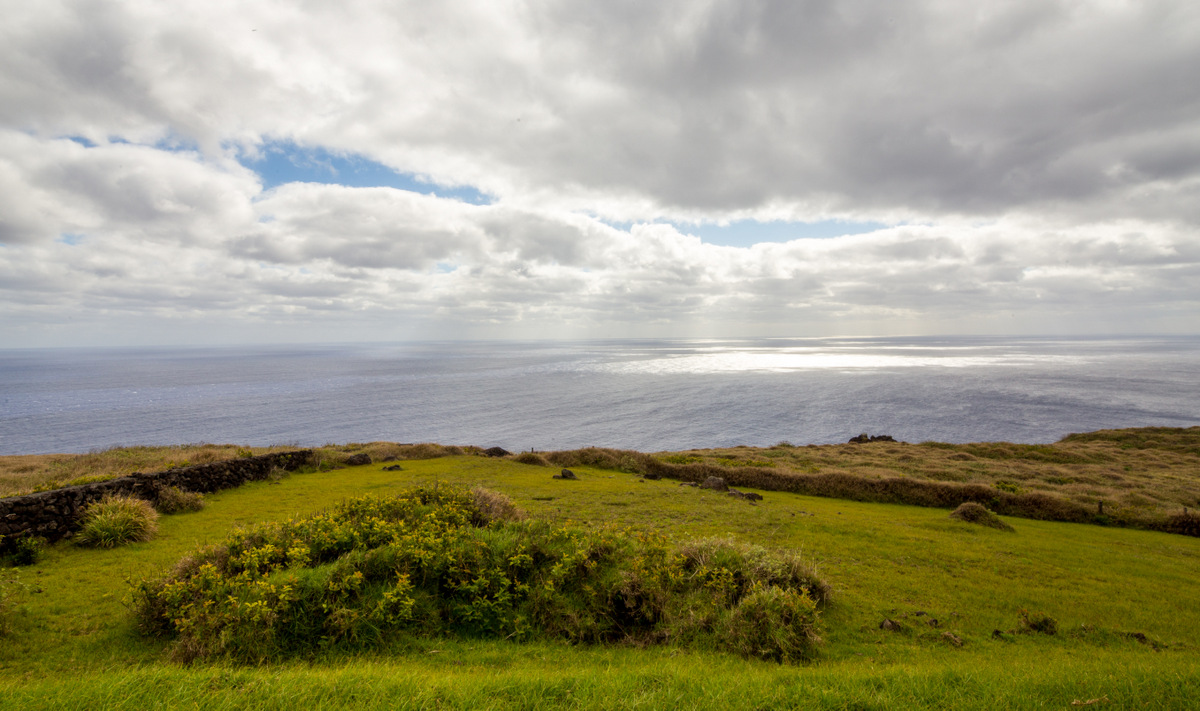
(73, 644)
(1143, 471)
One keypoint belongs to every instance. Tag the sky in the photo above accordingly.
(231, 172)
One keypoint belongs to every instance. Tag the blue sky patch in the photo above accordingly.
(744, 233)
(283, 162)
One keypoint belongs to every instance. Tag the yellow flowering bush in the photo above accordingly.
(448, 561)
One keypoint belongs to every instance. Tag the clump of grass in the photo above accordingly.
(971, 512)
(533, 458)
(173, 500)
(446, 561)
(1036, 622)
(117, 520)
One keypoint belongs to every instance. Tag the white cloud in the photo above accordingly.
(1046, 154)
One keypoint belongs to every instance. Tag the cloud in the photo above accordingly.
(1040, 160)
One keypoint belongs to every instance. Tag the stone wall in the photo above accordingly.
(54, 514)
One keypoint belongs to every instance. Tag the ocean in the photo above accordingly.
(649, 395)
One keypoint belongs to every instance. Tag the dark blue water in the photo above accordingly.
(647, 395)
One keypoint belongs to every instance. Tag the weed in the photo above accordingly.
(26, 550)
(116, 520)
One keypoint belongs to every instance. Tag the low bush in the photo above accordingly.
(116, 520)
(25, 550)
(971, 512)
(173, 500)
(442, 560)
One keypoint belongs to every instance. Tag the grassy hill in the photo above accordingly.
(965, 600)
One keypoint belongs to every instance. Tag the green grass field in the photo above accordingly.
(1126, 604)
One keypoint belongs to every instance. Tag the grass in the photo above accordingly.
(26, 474)
(73, 641)
(115, 521)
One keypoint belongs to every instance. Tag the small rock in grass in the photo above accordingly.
(393, 468)
(952, 638)
(565, 474)
(890, 625)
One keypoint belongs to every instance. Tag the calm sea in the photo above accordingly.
(646, 395)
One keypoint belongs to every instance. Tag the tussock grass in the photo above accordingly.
(117, 520)
(971, 512)
(1143, 478)
(173, 500)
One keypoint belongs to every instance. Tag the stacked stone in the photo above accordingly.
(53, 514)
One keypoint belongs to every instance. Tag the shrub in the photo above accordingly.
(116, 520)
(172, 500)
(26, 550)
(971, 512)
(773, 623)
(443, 560)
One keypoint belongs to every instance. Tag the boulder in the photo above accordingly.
(393, 468)
(496, 452)
(357, 460)
(889, 625)
(565, 474)
(715, 483)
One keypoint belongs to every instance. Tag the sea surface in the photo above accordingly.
(645, 395)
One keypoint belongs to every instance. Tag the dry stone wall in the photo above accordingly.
(54, 514)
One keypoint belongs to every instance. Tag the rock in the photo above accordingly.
(890, 625)
(496, 452)
(389, 458)
(565, 474)
(357, 460)
(751, 496)
(715, 483)
(688, 483)
(652, 477)
(952, 638)
(393, 468)
(865, 438)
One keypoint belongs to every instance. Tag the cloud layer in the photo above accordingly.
(1042, 161)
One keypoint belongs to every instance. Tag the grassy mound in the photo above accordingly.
(446, 561)
(117, 520)
(971, 512)
(173, 500)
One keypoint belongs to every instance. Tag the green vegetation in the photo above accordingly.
(116, 520)
(1113, 614)
(173, 500)
(435, 561)
(971, 512)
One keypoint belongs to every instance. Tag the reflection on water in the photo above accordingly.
(648, 395)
